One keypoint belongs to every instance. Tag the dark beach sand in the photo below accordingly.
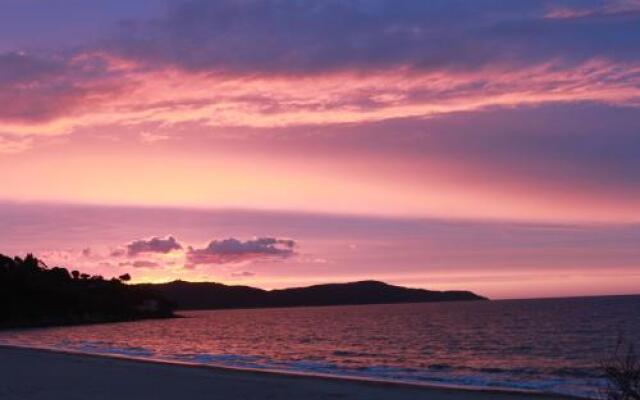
(43, 374)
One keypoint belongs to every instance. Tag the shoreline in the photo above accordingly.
(350, 385)
(64, 324)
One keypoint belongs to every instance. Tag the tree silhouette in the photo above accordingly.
(622, 371)
(33, 294)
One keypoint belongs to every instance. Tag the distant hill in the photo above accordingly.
(208, 295)
(32, 294)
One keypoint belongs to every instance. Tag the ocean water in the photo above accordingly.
(549, 345)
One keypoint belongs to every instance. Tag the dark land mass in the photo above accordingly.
(209, 295)
(32, 294)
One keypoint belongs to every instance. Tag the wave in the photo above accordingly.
(376, 373)
(563, 381)
(580, 382)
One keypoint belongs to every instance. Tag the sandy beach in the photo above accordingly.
(43, 374)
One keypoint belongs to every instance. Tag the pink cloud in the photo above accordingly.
(36, 89)
(243, 274)
(10, 144)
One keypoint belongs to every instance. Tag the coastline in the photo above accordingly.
(72, 323)
(44, 373)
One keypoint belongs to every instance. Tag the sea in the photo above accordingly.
(546, 345)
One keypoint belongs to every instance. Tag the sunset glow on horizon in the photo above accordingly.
(445, 145)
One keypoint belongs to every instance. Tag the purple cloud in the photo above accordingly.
(38, 88)
(292, 37)
(153, 245)
(233, 250)
(118, 252)
(288, 36)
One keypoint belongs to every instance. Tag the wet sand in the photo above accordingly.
(43, 374)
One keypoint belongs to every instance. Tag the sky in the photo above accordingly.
(486, 145)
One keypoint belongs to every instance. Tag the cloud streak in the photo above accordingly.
(139, 264)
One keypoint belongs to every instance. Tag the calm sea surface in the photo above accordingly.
(552, 345)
